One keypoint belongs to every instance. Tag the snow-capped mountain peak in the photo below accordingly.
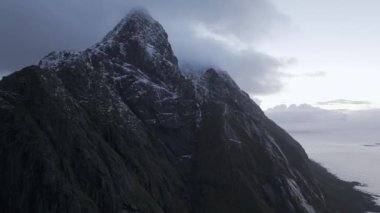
(119, 128)
(138, 17)
(139, 31)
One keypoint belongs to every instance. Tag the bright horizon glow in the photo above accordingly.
(339, 38)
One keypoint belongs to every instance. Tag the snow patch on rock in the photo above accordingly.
(296, 192)
(54, 60)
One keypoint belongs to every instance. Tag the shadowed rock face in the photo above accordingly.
(119, 128)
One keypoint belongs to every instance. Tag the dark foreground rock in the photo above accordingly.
(120, 128)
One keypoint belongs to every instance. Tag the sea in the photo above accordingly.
(350, 155)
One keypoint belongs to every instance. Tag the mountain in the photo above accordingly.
(120, 127)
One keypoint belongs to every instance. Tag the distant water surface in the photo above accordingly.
(347, 155)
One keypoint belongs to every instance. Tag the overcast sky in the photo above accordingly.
(310, 124)
(317, 52)
(219, 33)
(340, 38)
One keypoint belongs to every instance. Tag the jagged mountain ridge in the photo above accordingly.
(119, 127)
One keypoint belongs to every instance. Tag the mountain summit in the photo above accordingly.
(120, 128)
(139, 33)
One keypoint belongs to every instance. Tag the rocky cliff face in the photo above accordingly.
(120, 128)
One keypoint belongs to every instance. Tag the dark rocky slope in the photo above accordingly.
(120, 128)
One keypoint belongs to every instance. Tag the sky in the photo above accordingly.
(317, 53)
(328, 125)
(340, 39)
(209, 33)
(312, 65)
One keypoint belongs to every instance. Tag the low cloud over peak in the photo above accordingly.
(215, 33)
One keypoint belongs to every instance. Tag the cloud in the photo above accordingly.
(316, 74)
(219, 33)
(257, 100)
(343, 102)
(302, 114)
(310, 74)
(322, 124)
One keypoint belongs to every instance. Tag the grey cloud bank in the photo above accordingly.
(344, 102)
(211, 33)
(358, 125)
